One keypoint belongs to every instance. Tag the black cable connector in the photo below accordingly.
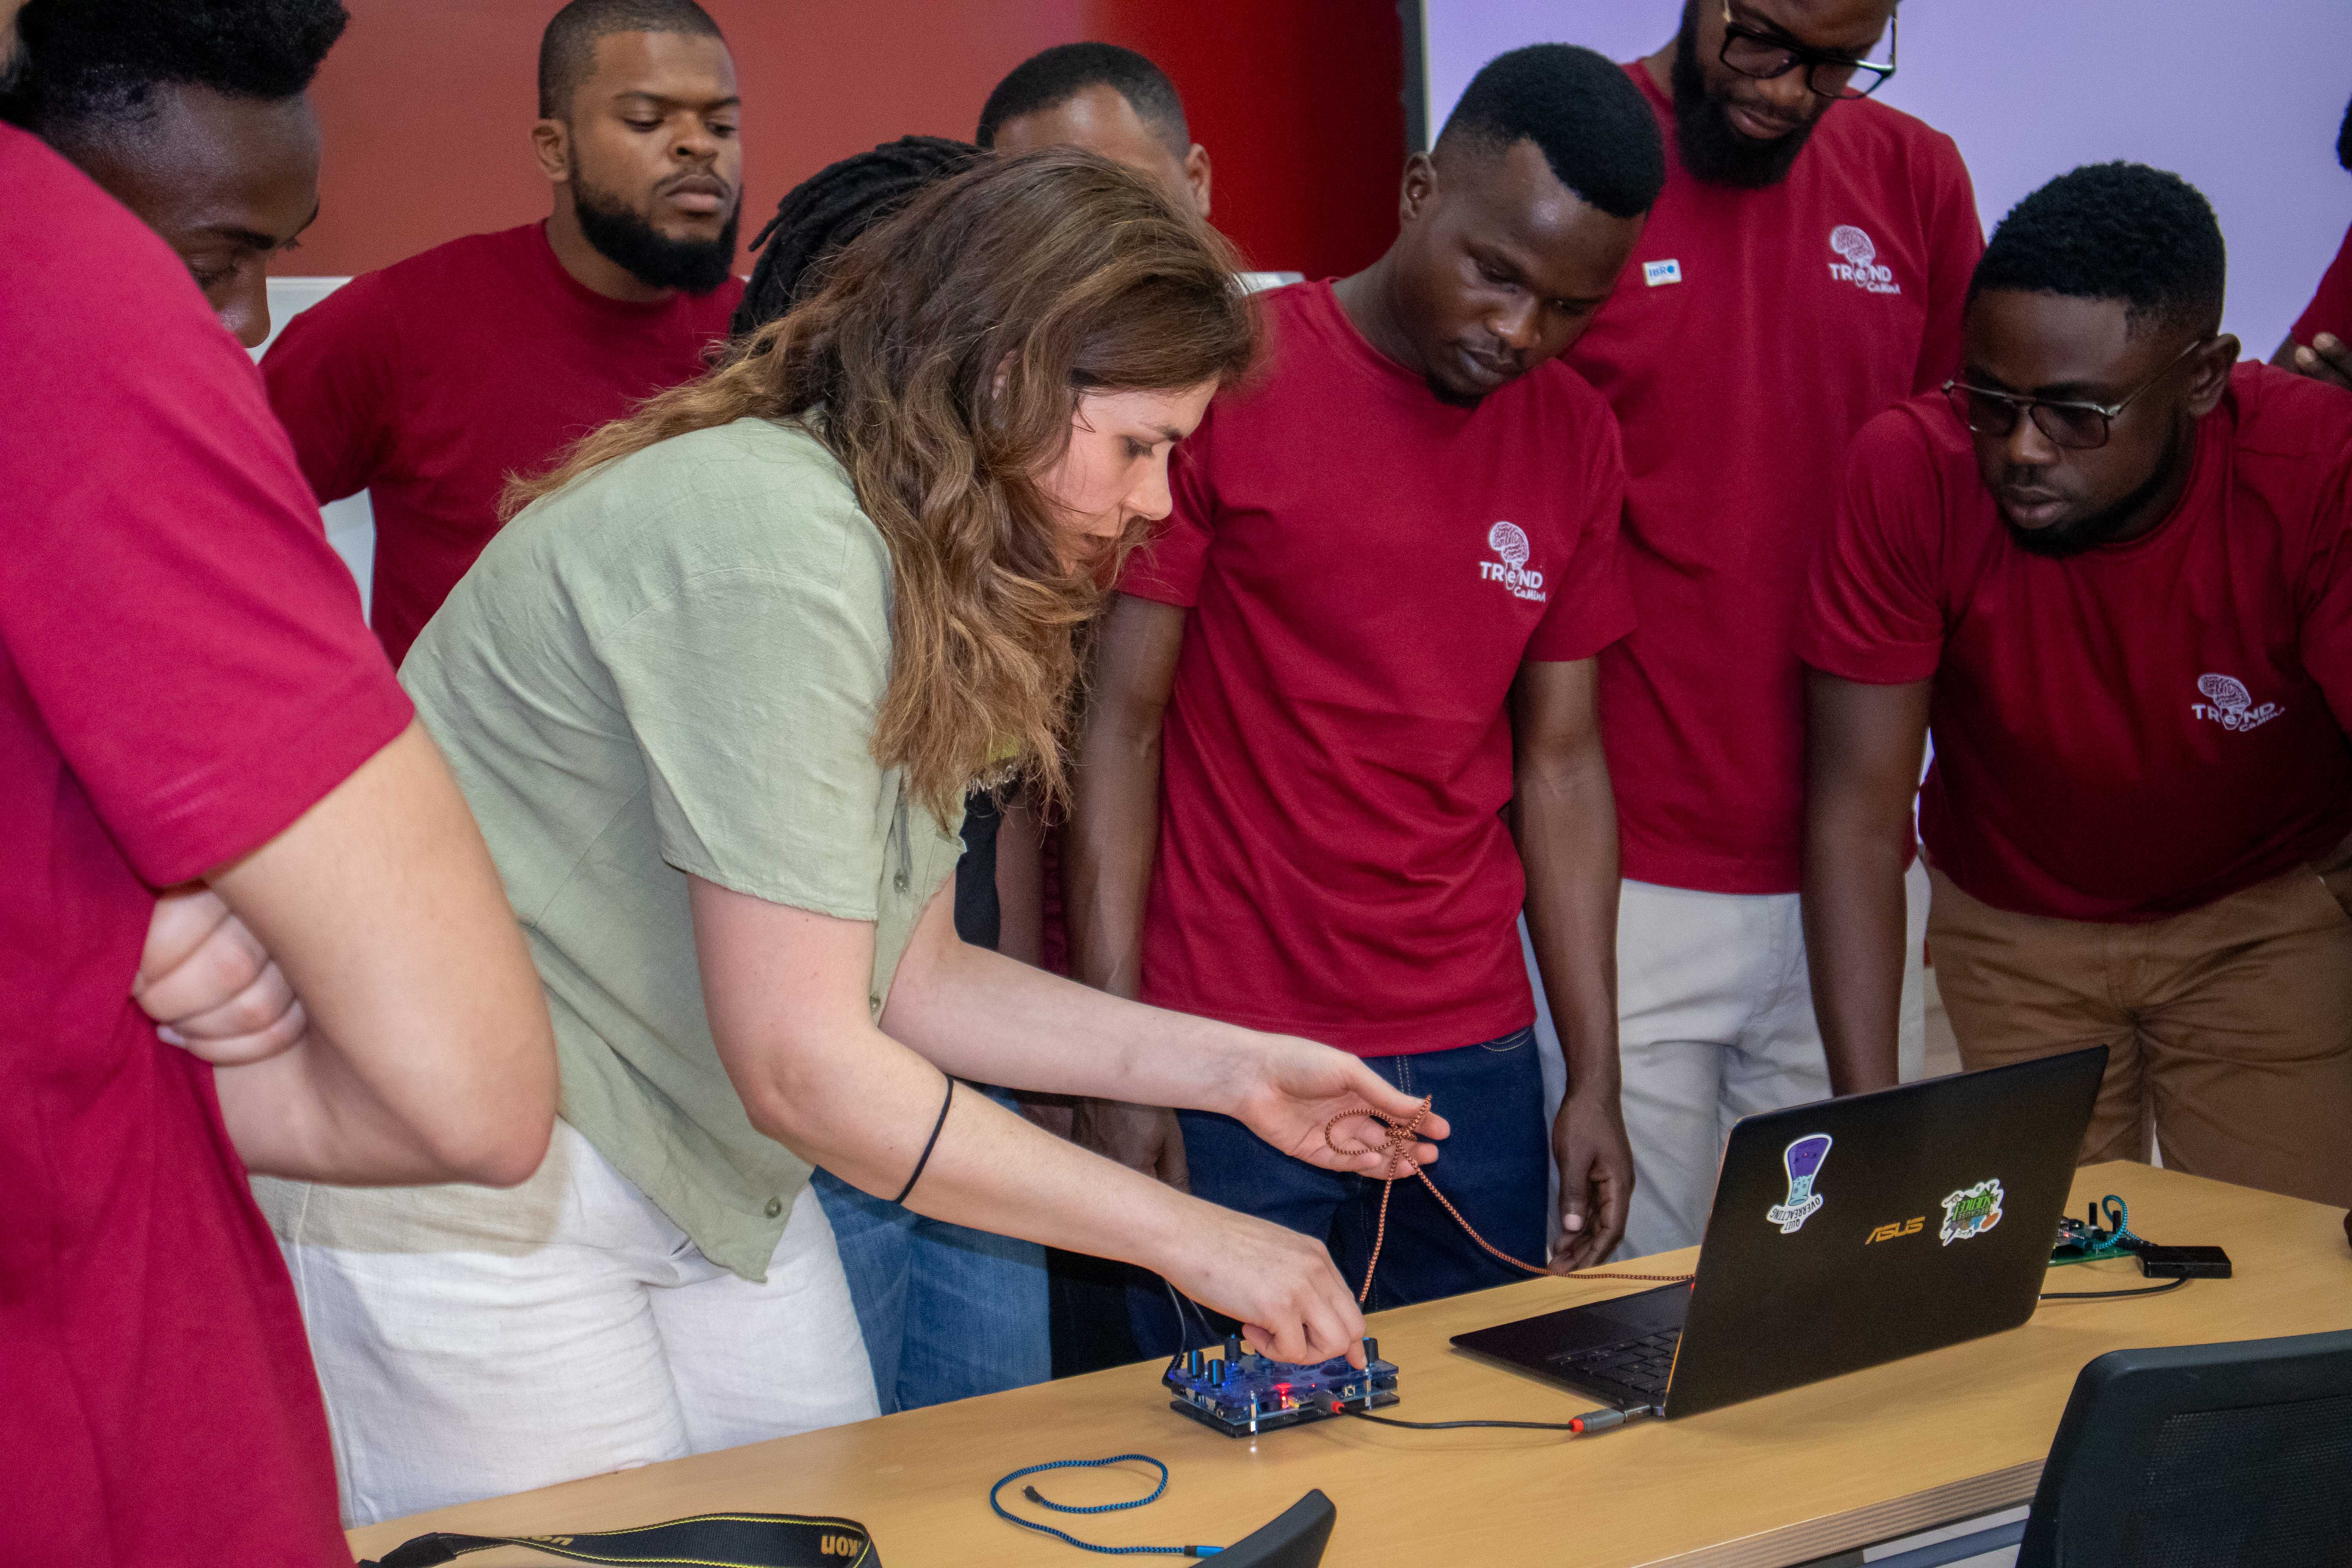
(1590, 1421)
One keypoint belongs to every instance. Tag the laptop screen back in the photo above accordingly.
(1857, 1231)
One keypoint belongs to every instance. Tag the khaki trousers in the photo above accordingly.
(2228, 1028)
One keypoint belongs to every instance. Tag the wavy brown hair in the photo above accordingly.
(941, 362)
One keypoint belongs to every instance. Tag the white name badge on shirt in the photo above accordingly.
(1656, 272)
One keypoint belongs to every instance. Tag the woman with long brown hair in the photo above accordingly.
(715, 697)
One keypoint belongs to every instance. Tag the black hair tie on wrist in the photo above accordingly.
(931, 1145)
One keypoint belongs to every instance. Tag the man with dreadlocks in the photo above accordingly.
(2111, 569)
(428, 383)
(948, 1311)
(829, 209)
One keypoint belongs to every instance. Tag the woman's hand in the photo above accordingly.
(1288, 1089)
(209, 984)
(1282, 1286)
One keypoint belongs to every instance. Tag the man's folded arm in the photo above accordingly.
(428, 1056)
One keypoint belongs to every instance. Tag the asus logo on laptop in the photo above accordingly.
(1894, 1228)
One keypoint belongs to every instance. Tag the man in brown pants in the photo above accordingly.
(2114, 574)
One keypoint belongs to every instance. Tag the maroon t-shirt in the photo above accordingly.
(1367, 568)
(427, 384)
(2141, 728)
(2330, 310)
(183, 672)
(1746, 341)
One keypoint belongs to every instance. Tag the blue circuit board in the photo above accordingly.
(1242, 1393)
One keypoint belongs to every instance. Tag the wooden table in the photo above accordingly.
(1859, 1459)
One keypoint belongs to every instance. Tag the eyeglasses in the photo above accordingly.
(1764, 56)
(2080, 426)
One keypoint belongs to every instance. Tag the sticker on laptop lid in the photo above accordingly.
(1972, 1211)
(1803, 1159)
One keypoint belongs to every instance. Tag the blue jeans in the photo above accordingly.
(947, 1313)
(1495, 1165)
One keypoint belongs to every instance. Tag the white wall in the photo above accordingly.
(351, 522)
(2242, 99)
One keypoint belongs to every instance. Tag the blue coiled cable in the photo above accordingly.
(1042, 1502)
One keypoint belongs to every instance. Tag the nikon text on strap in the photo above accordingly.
(702, 1541)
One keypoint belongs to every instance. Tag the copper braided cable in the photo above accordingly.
(1396, 1137)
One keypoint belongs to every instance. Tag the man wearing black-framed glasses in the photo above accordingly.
(1749, 88)
(2112, 569)
(1802, 270)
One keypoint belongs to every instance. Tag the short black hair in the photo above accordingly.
(2114, 231)
(1047, 81)
(87, 67)
(829, 209)
(1581, 109)
(567, 51)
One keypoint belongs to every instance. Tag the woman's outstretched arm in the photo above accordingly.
(786, 992)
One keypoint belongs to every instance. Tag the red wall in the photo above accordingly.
(427, 107)
(1300, 104)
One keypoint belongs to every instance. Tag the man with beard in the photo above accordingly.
(2113, 576)
(2315, 345)
(1340, 727)
(1802, 271)
(429, 383)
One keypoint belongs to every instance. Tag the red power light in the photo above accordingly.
(1282, 1388)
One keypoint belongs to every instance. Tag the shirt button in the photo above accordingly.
(874, 1000)
(900, 881)
(776, 1207)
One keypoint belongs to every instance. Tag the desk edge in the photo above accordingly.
(1868, 1526)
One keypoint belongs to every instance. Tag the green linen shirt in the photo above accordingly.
(674, 666)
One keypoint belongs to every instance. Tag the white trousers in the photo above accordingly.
(1715, 1022)
(473, 1343)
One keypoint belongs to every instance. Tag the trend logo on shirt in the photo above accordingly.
(1861, 266)
(2229, 704)
(1508, 541)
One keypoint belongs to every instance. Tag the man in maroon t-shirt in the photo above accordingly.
(1802, 271)
(186, 691)
(2318, 345)
(431, 383)
(1342, 723)
(1105, 100)
(227, 175)
(2115, 577)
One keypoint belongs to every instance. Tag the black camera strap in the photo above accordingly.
(702, 1541)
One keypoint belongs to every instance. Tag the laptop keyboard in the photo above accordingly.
(1640, 1364)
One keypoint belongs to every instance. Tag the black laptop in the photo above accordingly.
(1844, 1234)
